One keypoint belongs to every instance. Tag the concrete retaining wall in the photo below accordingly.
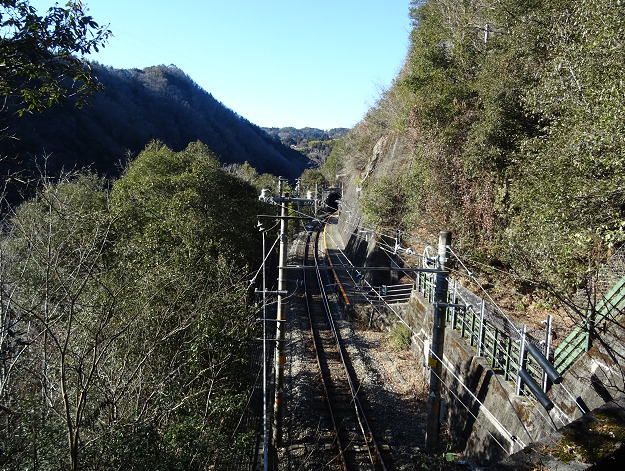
(482, 411)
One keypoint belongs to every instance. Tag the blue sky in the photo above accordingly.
(317, 63)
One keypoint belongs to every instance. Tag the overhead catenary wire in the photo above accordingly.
(386, 245)
(387, 248)
(362, 421)
(511, 436)
(463, 262)
(374, 231)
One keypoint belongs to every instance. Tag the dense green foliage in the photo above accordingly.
(125, 308)
(312, 180)
(249, 174)
(126, 318)
(515, 111)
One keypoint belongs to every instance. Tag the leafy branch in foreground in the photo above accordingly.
(39, 54)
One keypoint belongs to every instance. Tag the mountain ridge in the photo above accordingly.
(134, 108)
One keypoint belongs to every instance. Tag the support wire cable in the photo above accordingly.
(512, 437)
(475, 416)
(497, 362)
(456, 375)
(264, 261)
(503, 272)
(485, 292)
(511, 323)
(499, 424)
(378, 231)
(496, 376)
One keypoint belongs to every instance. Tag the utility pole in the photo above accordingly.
(265, 417)
(280, 358)
(436, 353)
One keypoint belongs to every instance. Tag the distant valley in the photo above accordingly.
(315, 144)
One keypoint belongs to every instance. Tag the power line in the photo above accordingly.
(387, 249)
(445, 364)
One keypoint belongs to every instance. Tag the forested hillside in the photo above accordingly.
(291, 136)
(126, 308)
(513, 115)
(133, 108)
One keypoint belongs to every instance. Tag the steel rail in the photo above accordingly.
(370, 445)
(316, 351)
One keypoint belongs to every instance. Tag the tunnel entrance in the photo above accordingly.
(331, 197)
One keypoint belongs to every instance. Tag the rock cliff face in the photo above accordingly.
(376, 155)
(391, 154)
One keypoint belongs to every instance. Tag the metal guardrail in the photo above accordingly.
(497, 340)
(391, 294)
(500, 341)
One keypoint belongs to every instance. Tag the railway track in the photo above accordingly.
(349, 435)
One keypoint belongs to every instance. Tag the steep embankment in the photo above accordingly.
(505, 127)
(487, 419)
(508, 135)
